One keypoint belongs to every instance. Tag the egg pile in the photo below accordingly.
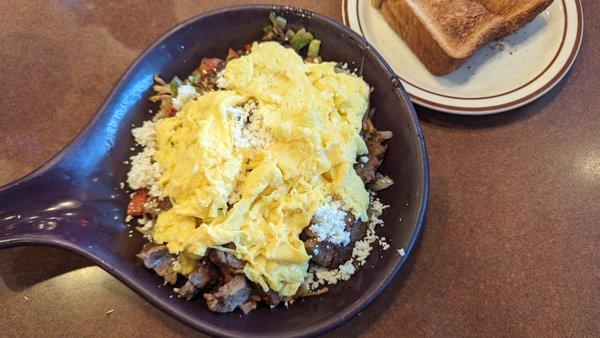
(260, 196)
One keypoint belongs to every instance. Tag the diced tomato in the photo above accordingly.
(136, 205)
(210, 66)
(231, 54)
(248, 48)
(170, 110)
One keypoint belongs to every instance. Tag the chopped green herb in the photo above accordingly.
(313, 48)
(301, 39)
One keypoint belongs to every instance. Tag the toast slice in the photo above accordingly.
(445, 33)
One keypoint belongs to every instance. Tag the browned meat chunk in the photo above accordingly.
(232, 54)
(366, 171)
(158, 258)
(229, 296)
(165, 204)
(307, 232)
(203, 276)
(341, 255)
(275, 33)
(356, 228)
(271, 297)
(304, 291)
(322, 252)
(226, 261)
(248, 306)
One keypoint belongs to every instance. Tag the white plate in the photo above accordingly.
(501, 76)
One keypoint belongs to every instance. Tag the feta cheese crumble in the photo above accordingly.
(248, 129)
(144, 173)
(221, 80)
(145, 135)
(329, 224)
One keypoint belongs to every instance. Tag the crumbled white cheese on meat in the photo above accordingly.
(318, 276)
(330, 225)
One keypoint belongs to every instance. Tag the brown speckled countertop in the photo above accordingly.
(512, 241)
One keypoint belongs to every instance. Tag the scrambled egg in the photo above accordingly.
(313, 115)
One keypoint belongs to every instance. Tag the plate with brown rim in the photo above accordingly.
(503, 75)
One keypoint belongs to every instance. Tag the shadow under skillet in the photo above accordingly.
(42, 264)
(454, 121)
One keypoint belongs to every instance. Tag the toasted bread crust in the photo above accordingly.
(445, 33)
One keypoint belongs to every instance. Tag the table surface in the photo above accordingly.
(512, 238)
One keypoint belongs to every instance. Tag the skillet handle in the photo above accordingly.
(53, 206)
(30, 209)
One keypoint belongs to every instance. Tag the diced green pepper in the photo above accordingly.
(175, 83)
(313, 48)
(277, 21)
(281, 22)
(266, 29)
(289, 34)
(273, 19)
(301, 39)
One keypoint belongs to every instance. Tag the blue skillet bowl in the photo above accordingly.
(74, 201)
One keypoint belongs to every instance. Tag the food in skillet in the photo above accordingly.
(257, 177)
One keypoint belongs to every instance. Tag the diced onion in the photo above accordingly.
(386, 134)
(381, 183)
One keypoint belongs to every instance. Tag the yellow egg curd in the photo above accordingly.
(313, 115)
